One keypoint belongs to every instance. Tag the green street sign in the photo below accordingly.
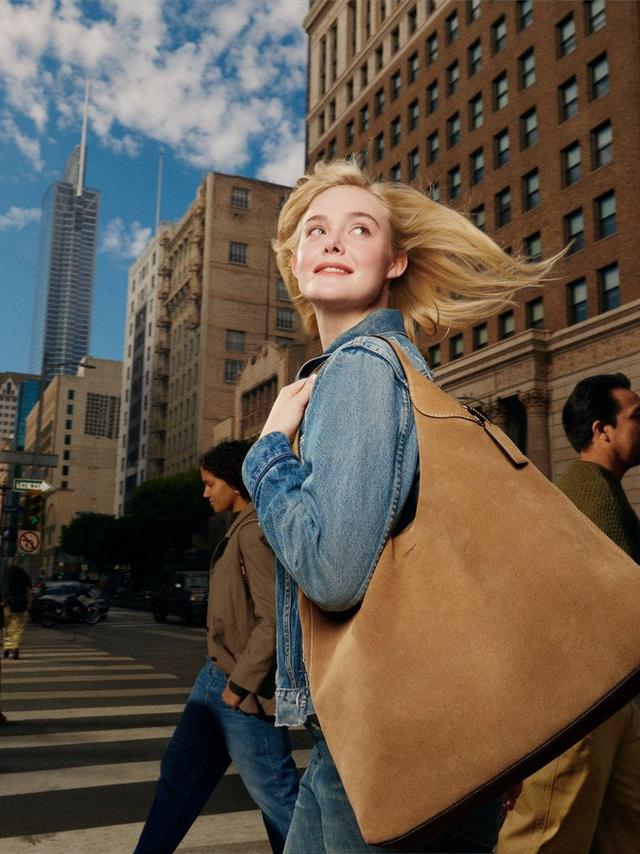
(23, 484)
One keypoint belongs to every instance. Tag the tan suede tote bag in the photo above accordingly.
(498, 629)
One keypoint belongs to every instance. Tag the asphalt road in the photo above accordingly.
(90, 711)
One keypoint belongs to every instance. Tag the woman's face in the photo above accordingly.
(344, 257)
(220, 495)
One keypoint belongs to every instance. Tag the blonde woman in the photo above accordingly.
(359, 258)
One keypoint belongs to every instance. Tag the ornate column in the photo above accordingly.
(536, 402)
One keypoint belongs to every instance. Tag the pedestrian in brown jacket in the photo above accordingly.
(228, 716)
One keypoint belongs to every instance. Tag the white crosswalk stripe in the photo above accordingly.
(86, 734)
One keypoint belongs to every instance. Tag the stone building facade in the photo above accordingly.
(522, 115)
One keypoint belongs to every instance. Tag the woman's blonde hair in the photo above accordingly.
(455, 275)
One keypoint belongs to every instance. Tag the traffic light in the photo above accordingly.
(35, 508)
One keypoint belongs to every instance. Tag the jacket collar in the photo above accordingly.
(240, 518)
(383, 320)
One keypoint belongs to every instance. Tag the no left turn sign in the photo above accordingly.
(29, 542)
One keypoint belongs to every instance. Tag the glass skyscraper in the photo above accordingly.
(68, 232)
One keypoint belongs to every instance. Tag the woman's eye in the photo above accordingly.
(317, 229)
(361, 229)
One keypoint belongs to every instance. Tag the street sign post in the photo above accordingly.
(26, 484)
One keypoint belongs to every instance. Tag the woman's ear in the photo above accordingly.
(398, 265)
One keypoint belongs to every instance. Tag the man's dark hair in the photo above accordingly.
(225, 460)
(591, 400)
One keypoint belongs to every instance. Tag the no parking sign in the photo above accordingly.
(28, 542)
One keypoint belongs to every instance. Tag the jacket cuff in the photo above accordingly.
(262, 456)
(238, 691)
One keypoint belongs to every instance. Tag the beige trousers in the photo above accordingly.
(14, 625)
(587, 801)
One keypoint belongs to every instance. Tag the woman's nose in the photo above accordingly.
(332, 244)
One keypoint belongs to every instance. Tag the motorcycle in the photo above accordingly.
(72, 609)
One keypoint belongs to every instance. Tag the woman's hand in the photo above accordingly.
(288, 409)
(230, 698)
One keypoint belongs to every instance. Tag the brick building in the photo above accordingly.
(524, 115)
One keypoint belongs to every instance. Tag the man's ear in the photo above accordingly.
(599, 431)
(398, 265)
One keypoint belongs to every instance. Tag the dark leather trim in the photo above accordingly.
(612, 702)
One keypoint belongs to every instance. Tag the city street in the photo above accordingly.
(90, 711)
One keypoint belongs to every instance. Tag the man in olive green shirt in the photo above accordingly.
(587, 801)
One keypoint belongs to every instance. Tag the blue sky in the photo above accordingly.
(217, 84)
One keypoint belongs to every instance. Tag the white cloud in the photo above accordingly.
(26, 145)
(217, 80)
(125, 244)
(18, 218)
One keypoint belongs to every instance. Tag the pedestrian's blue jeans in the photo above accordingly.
(209, 736)
(324, 822)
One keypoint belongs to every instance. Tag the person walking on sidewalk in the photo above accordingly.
(360, 259)
(17, 602)
(229, 713)
(587, 801)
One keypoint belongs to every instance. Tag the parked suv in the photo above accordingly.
(183, 595)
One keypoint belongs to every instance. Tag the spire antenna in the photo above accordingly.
(83, 139)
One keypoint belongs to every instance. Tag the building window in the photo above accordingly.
(432, 97)
(234, 340)
(434, 191)
(503, 207)
(321, 126)
(66, 455)
(530, 190)
(527, 69)
(568, 96)
(349, 132)
(506, 324)
(364, 156)
(571, 164)
(412, 20)
(364, 75)
(574, 231)
(238, 252)
(414, 163)
(285, 319)
(501, 148)
(281, 291)
(333, 34)
(609, 287)
(479, 217)
(596, 15)
(395, 40)
(524, 13)
(534, 310)
(332, 110)
(70, 409)
(395, 173)
(331, 149)
(476, 166)
(396, 85)
(499, 35)
(67, 439)
(528, 128)
(566, 35)
(379, 57)
(378, 146)
(602, 145)
(577, 297)
(68, 424)
(474, 55)
(239, 198)
(323, 65)
(453, 129)
(599, 77)
(434, 357)
(413, 66)
(101, 416)
(475, 112)
(453, 78)
(232, 370)
(456, 346)
(532, 246)
(480, 336)
(454, 179)
(396, 133)
(432, 48)
(65, 471)
(606, 215)
(452, 28)
(71, 394)
(414, 114)
(364, 118)
(379, 102)
(350, 91)
(433, 147)
(473, 10)
(500, 91)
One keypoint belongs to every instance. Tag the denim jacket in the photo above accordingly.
(328, 513)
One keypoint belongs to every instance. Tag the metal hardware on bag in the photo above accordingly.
(476, 414)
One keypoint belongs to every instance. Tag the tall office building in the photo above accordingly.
(68, 231)
(524, 116)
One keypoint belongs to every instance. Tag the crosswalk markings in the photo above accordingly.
(86, 695)
(74, 668)
(96, 736)
(89, 677)
(93, 712)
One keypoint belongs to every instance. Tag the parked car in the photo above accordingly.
(184, 595)
(56, 600)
